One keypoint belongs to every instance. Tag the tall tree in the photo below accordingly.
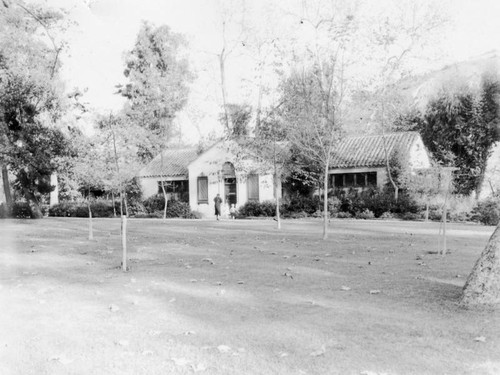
(460, 126)
(88, 169)
(158, 88)
(311, 110)
(314, 94)
(273, 149)
(30, 98)
(158, 76)
(239, 116)
(117, 136)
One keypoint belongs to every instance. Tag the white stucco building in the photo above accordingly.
(224, 169)
(360, 162)
(198, 177)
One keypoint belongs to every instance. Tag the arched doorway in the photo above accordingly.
(229, 176)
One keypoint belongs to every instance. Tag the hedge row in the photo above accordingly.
(375, 203)
(99, 208)
(152, 207)
(19, 210)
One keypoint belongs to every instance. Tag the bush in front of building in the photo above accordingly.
(21, 210)
(487, 211)
(377, 201)
(300, 203)
(257, 209)
(154, 203)
(99, 208)
(154, 206)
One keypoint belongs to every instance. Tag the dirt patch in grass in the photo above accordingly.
(240, 297)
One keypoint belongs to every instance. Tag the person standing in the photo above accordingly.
(217, 201)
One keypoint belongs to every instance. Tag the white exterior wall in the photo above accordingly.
(491, 182)
(209, 164)
(419, 158)
(149, 186)
(266, 188)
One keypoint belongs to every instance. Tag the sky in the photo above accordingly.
(105, 29)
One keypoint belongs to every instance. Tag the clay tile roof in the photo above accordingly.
(175, 163)
(368, 151)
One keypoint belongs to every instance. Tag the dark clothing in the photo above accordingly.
(217, 201)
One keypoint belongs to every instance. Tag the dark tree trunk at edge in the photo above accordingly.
(6, 188)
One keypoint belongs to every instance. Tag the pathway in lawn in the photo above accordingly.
(240, 297)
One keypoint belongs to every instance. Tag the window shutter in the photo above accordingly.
(202, 189)
(253, 187)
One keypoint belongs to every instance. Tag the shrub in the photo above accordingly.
(366, 214)
(178, 209)
(135, 209)
(154, 206)
(3, 211)
(411, 216)
(344, 215)
(487, 212)
(299, 203)
(377, 201)
(154, 203)
(387, 215)
(319, 214)
(21, 210)
(62, 209)
(298, 215)
(435, 213)
(333, 205)
(99, 208)
(252, 208)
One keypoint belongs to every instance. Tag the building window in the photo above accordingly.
(371, 178)
(175, 190)
(202, 189)
(253, 187)
(347, 180)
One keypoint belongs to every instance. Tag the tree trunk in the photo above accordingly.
(36, 211)
(483, 284)
(113, 200)
(125, 203)
(123, 233)
(91, 229)
(278, 202)
(124, 243)
(325, 202)
(6, 189)
(388, 168)
(166, 201)
(223, 89)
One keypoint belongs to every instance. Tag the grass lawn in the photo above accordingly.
(240, 297)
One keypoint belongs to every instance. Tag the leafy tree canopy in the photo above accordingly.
(459, 128)
(158, 84)
(239, 116)
(30, 99)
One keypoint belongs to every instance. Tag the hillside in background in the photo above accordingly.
(419, 89)
(414, 92)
